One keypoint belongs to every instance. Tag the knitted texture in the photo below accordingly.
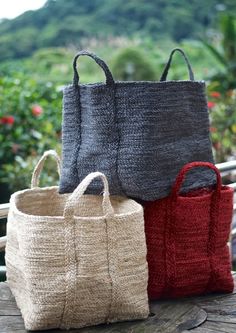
(139, 134)
(187, 237)
(76, 260)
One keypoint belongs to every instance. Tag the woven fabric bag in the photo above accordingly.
(76, 260)
(140, 134)
(187, 237)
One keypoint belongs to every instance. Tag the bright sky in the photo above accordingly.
(12, 8)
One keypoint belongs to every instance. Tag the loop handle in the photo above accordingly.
(181, 176)
(167, 67)
(81, 188)
(99, 61)
(39, 166)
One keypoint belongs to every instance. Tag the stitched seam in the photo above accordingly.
(214, 215)
(110, 275)
(70, 275)
(170, 247)
(77, 149)
(119, 182)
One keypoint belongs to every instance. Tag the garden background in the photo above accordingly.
(134, 37)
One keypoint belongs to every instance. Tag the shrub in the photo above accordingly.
(130, 64)
(30, 123)
(223, 123)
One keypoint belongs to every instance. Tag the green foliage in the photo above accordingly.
(18, 174)
(131, 64)
(30, 123)
(37, 82)
(222, 88)
(53, 64)
(62, 23)
(225, 52)
(223, 122)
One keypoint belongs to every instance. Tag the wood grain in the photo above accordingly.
(208, 314)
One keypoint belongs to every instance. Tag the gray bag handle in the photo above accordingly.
(167, 67)
(100, 62)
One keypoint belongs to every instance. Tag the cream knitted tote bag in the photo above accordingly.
(76, 260)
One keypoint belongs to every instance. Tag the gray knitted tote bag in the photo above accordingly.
(140, 134)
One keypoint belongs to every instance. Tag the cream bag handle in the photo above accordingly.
(39, 166)
(81, 188)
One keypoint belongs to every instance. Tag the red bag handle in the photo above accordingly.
(182, 174)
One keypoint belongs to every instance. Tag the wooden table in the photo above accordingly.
(209, 314)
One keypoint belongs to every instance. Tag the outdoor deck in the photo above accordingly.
(209, 314)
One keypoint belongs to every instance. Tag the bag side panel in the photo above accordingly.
(223, 280)
(155, 217)
(162, 127)
(40, 294)
(190, 233)
(14, 265)
(93, 292)
(128, 267)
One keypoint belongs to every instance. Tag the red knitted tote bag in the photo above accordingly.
(187, 237)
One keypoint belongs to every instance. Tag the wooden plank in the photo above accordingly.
(203, 330)
(226, 166)
(222, 318)
(175, 316)
(209, 314)
(4, 208)
(3, 241)
(185, 317)
(221, 309)
(166, 317)
(219, 327)
(7, 302)
(10, 324)
(2, 271)
(169, 316)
